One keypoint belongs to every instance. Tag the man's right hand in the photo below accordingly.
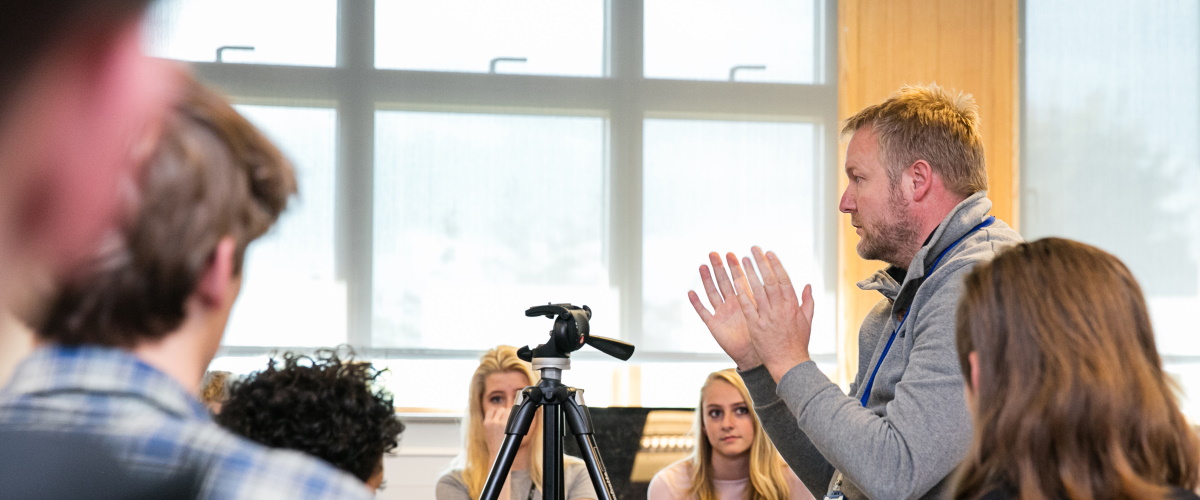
(726, 322)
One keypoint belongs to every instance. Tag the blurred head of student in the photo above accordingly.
(214, 389)
(495, 386)
(1066, 384)
(731, 443)
(79, 101)
(163, 282)
(323, 405)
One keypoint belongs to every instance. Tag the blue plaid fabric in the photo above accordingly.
(155, 428)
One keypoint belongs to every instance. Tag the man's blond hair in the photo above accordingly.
(926, 122)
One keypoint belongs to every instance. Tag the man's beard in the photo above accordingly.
(894, 238)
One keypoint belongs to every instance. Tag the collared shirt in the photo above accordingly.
(155, 429)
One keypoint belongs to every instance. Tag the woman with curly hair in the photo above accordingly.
(494, 390)
(731, 460)
(322, 405)
(1065, 382)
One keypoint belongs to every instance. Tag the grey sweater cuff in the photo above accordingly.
(759, 382)
(763, 390)
(801, 384)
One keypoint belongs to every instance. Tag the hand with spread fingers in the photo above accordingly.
(779, 322)
(725, 322)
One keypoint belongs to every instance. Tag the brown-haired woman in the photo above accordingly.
(1067, 387)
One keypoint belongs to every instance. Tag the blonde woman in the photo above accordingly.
(732, 459)
(494, 390)
(215, 390)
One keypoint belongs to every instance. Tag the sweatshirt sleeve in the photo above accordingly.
(451, 487)
(926, 429)
(670, 483)
(579, 486)
(781, 426)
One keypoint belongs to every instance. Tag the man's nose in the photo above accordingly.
(847, 204)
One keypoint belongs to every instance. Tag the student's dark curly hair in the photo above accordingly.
(321, 405)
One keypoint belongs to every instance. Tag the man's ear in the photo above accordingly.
(921, 175)
(973, 360)
(214, 283)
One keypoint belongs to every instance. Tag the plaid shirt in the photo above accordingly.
(155, 428)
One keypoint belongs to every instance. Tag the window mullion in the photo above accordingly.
(625, 164)
(355, 154)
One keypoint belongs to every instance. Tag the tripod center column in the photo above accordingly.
(551, 368)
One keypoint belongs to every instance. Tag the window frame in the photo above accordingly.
(355, 89)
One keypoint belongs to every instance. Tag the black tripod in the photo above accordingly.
(550, 359)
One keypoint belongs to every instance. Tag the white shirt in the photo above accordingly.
(675, 481)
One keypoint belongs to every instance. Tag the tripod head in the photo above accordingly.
(570, 333)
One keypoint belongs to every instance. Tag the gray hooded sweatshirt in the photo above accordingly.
(915, 427)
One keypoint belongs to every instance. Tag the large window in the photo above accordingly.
(1110, 120)
(479, 216)
(291, 294)
(461, 161)
(528, 37)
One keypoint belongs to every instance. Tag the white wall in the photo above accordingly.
(426, 448)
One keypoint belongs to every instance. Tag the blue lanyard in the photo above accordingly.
(871, 382)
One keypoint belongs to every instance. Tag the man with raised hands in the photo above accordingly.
(916, 196)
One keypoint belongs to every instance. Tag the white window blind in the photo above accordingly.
(443, 191)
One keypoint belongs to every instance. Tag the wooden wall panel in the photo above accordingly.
(968, 45)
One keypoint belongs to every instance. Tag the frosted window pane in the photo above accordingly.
(676, 385)
(726, 186)
(239, 365)
(290, 295)
(478, 217)
(289, 32)
(411, 382)
(704, 39)
(556, 37)
(453, 378)
(1111, 156)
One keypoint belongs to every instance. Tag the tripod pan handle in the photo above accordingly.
(612, 347)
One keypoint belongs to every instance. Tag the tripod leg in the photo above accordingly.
(580, 422)
(518, 425)
(552, 453)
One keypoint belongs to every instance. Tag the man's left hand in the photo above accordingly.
(780, 323)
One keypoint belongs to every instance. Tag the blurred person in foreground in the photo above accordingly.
(1065, 383)
(323, 405)
(733, 459)
(79, 103)
(495, 388)
(124, 345)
